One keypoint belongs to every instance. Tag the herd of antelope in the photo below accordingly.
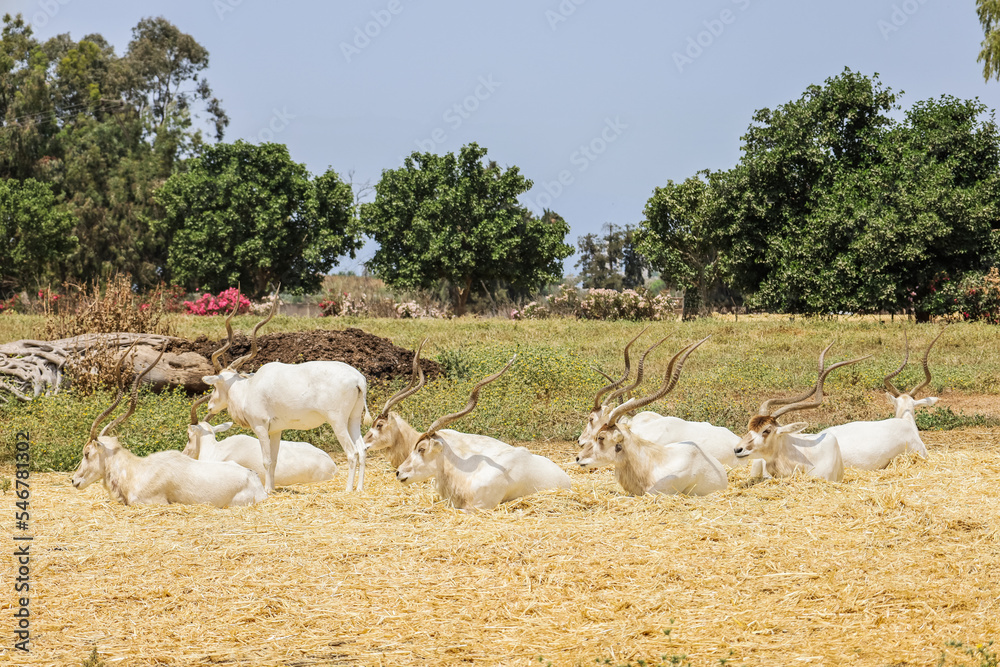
(650, 453)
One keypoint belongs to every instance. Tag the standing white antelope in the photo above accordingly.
(476, 471)
(871, 445)
(644, 466)
(717, 441)
(302, 396)
(163, 477)
(783, 452)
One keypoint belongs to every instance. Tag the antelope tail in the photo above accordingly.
(367, 420)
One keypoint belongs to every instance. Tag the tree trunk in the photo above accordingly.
(462, 297)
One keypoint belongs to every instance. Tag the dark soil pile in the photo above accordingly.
(376, 357)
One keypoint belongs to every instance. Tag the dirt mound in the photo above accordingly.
(376, 357)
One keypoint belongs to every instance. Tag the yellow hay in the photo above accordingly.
(885, 568)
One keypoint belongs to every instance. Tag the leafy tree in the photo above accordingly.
(248, 214)
(834, 206)
(676, 236)
(35, 232)
(457, 219)
(539, 258)
(104, 131)
(161, 62)
(925, 206)
(790, 156)
(612, 261)
(989, 55)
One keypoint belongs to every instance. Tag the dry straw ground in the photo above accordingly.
(883, 569)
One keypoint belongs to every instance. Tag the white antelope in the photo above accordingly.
(475, 471)
(871, 445)
(717, 441)
(163, 477)
(300, 396)
(298, 462)
(643, 466)
(784, 453)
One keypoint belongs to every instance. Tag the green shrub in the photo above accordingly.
(943, 419)
(58, 426)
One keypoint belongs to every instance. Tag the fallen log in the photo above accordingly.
(30, 368)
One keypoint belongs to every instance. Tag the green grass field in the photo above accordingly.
(548, 392)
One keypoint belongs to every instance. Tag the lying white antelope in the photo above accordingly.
(717, 441)
(644, 466)
(475, 471)
(785, 454)
(298, 462)
(300, 396)
(163, 477)
(871, 445)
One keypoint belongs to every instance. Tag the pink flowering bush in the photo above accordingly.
(222, 304)
(328, 307)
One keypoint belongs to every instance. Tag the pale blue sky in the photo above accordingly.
(536, 83)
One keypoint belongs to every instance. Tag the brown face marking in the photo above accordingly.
(757, 423)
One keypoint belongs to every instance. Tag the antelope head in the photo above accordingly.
(225, 377)
(905, 403)
(199, 431)
(422, 463)
(384, 431)
(602, 408)
(611, 436)
(764, 434)
(102, 445)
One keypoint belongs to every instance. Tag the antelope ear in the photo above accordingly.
(224, 426)
(892, 399)
(210, 379)
(795, 427)
(926, 402)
